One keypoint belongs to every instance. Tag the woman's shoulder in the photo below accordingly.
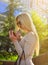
(30, 33)
(30, 36)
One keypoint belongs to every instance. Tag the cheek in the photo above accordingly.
(22, 26)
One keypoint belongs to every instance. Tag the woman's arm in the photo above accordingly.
(14, 39)
(18, 47)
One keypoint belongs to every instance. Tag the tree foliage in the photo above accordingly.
(7, 50)
(42, 30)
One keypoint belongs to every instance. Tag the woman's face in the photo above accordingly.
(20, 24)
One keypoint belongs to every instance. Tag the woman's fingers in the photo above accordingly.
(12, 36)
(10, 33)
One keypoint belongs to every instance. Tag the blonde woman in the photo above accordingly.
(29, 43)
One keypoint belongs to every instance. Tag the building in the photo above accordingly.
(41, 6)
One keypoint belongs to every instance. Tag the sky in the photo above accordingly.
(3, 6)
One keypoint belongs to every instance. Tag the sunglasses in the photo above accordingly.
(18, 23)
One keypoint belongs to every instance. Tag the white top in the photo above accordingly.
(28, 44)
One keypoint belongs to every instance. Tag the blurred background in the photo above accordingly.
(9, 9)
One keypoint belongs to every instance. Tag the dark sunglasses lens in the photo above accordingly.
(19, 23)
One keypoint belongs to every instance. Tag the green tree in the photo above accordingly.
(7, 49)
(42, 30)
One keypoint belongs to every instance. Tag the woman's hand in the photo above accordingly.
(12, 36)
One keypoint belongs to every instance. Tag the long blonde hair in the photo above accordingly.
(26, 20)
